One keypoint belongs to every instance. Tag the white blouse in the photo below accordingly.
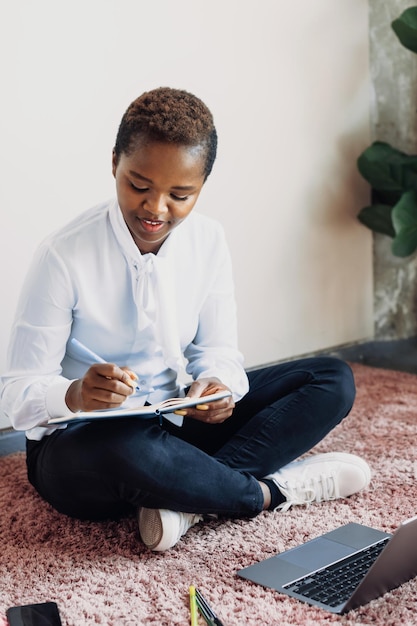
(167, 317)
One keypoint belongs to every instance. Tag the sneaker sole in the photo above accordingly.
(150, 527)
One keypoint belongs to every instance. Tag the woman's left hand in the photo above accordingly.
(213, 412)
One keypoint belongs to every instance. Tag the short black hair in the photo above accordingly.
(169, 115)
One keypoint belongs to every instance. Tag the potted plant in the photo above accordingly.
(392, 173)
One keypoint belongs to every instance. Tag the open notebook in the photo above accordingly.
(342, 569)
(147, 411)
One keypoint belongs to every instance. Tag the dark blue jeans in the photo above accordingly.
(105, 469)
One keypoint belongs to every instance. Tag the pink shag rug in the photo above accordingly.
(100, 573)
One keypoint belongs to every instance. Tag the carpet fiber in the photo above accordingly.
(100, 573)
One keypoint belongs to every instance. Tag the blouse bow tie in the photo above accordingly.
(156, 302)
(154, 292)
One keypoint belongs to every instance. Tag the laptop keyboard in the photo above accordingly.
(335, 584)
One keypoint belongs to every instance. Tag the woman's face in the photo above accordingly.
(157, 187)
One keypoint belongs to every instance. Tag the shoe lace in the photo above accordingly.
(317, 489)
(187, 520)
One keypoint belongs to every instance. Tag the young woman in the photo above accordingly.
(146, 284)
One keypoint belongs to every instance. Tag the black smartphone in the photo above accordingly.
(42, 614)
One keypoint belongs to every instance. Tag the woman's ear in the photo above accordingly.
(114, 161)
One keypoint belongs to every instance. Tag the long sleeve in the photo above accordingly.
(33, 388)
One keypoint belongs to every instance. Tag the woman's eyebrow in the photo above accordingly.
(137, 175)
(148, 180)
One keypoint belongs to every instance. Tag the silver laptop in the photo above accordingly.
(342, 569)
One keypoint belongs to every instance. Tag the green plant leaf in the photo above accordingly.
(377, 217)
(379, 196)
(388, 169)
(405, 27)
(404, 219)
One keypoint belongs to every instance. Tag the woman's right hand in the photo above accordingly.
(104, 386)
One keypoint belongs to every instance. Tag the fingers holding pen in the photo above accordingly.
(104, 386)
(110, 382)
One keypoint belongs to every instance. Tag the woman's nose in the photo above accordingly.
(156, 205)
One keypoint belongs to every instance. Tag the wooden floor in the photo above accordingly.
(399, 355)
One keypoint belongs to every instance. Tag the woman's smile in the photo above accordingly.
(151, 226)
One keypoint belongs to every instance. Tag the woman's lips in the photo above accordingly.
(152, 226)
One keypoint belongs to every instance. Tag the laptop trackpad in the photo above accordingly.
(316, 553)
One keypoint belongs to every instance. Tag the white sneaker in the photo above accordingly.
(321, 477)
(161, 529)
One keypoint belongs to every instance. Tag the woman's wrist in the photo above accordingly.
(73, 396)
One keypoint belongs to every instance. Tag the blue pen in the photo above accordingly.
(83, 351)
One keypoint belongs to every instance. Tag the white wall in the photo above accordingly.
(289, 88)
